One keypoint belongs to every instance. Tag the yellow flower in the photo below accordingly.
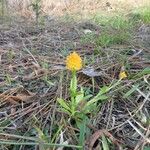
(74, 62)
(122, 75)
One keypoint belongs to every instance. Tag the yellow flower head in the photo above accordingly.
(74, 62)
(122, 75)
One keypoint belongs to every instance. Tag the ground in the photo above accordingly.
(33, 76)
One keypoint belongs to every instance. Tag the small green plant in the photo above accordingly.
(120, 22)
(115, 29)
(80, 104)
(104, 40)
(10, 55)
(145, 14)
(2, 8)
(108, 39)
(36, 7)
(8, 79)
(141, 15)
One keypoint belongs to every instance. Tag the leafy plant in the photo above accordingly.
(72, 107)
(81, 104)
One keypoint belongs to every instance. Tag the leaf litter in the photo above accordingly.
(32, 58)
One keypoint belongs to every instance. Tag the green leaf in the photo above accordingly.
(63, 104)
(105, 143)
(41, 135)
(84, 130)
(79, 97)
(89, 108)
(131, 91)
(142, 73)
(96, 98)
(103, 90)
(65, 111)
(73, 84)
(88, 97)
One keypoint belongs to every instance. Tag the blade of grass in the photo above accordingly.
(138, 131)
(36, 143)
(131, 91)
(105, 143)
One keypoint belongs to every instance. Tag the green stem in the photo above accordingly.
(74, 84)
(93, 84)
(73, 92)
(37, 143)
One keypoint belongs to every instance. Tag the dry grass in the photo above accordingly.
(83, 8)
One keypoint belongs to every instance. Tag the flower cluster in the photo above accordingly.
(122, 75)
(74, 62)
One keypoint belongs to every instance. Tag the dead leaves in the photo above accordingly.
(36, 74)
(17, 95)
(93, 138)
